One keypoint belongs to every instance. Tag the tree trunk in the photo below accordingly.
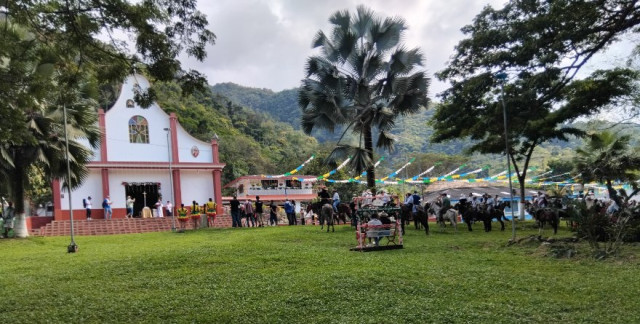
(521, 202)
(368, 146)
(20, 220)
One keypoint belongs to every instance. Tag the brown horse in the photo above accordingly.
(543, 216)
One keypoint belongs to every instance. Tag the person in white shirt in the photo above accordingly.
(169, 207)
(129, 203)
(490, 203)
(87, 207)
(159, 208)
(336, 201)
(385, 198)
(375, 222)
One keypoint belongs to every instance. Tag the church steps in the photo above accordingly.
(117, 226)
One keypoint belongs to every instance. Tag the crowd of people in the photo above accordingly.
(254, 213)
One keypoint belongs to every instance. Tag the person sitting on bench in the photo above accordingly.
(375, 221)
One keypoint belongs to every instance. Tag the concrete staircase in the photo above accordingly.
(119, 226)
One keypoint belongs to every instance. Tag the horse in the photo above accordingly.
(544, 215)
(326, 215)
(420, 217)
(344, 212)
(451, 215)
(469, 214)
(496, 213)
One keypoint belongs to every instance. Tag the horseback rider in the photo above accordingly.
(336, 201)
(324, 196)
(446, 204)
(474, 201)
(542, 199)
(489, 202)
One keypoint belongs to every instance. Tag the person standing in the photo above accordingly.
(273, 214)
(87, 207)
(259, 212)
(129, 202)
(159, 208)
(211, 212)
(195, 214)
(235, 212)
(169, 208)
(106, 205)
(248, 210)
(182, 217)
(289, 210)
(8, 214)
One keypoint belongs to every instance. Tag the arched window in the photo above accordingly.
(138, 130)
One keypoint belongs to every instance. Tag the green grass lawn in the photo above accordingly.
(302, 275)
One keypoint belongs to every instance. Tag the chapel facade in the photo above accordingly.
(143, 153)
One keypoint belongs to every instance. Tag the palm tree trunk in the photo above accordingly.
(368, 146)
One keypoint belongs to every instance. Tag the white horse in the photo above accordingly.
(451, 215)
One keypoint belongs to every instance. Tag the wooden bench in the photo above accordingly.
(381, 231)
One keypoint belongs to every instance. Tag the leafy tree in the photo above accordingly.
(53, 55)
(363, 79)
(95, 35)
(540, 46)
(608, 158)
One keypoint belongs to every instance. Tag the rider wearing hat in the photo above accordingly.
(324, 195)
(446, 204)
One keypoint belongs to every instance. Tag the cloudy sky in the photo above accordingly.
(265, 43)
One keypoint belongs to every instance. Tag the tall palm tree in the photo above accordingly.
(607, 158)
(362, 80)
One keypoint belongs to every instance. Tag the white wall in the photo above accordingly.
(92, 186)
(196, 185)
(117, 190)
(117, 124)
(186, 142)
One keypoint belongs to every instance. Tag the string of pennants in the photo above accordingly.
(541, 179)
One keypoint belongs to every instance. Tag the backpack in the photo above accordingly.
(105, 204)
(416, 200)
(84, 203)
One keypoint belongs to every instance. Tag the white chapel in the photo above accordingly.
(144, 153)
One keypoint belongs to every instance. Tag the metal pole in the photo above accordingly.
(503, 77)
(173, 218)
(73, 247)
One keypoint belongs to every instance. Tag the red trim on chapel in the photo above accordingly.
(103, 135)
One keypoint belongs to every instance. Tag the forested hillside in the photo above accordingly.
(412, 132)
(251, 142)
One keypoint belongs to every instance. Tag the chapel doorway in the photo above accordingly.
(145, 194)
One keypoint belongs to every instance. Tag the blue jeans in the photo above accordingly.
(335, 205)
(235, 219)
(108, 213)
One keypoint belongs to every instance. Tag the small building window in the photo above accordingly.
(269, 184)
(138, 130)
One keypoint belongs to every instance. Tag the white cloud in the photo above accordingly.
(265, 43)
